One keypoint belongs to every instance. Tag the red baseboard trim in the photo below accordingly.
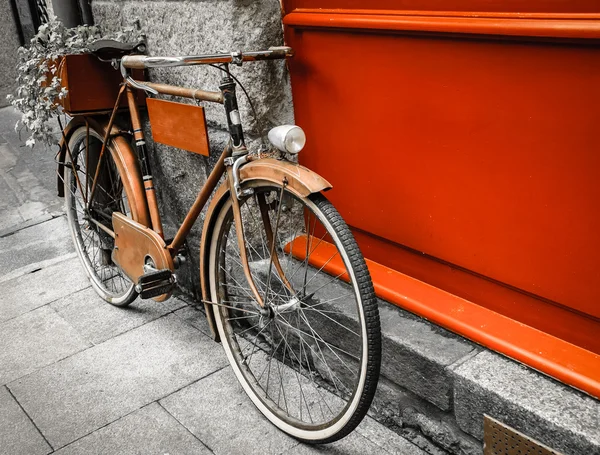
(550, 355)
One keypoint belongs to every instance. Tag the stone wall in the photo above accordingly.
(196, 27)
(9, 43)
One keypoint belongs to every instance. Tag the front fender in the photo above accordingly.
(300, 181)
(219, 198)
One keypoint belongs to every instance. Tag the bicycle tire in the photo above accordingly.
(321, 343)
(94, 246)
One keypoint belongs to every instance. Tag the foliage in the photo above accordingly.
(38, 83)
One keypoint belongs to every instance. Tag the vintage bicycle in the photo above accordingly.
(284, 284)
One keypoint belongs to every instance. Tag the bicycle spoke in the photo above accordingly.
(301, 354)
(86, 208)
(333, 320)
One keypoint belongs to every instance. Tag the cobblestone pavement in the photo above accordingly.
(78, 376)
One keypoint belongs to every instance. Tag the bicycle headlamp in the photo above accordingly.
(288, 138)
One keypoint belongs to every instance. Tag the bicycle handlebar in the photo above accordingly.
(142, 61)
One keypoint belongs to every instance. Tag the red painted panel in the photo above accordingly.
(521, 6)
(556, 320)
(480, 153)
(548, 26)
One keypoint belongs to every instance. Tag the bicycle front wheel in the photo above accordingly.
(91, 223)
(309, 360)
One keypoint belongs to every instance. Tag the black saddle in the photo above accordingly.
(107, 49)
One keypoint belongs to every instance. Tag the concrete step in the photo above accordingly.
(436, 386)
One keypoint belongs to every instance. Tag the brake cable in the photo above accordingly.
(254, 113)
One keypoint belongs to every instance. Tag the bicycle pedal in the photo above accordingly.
(155, 283)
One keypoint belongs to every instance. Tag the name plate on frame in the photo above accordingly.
(178, 125)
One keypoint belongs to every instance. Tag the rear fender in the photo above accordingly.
(124, 157)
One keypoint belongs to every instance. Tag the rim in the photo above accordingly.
(94, 246)
(302, 362)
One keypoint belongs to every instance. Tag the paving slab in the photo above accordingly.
(195, 317)
(28, 184)
(34, 244)
(18, 435)
(369, 438)
(528, 401)
(353, 444)
(25, 224)
(34, 340)
(175, 303)
(8, 117)
(9, 199)
(8, 218)
(387, 439)
(93, 388)
(217, 410)
(97, 320)
(35, 267)
(149, 431)
(33, 290)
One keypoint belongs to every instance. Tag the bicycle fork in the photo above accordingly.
(271, 235)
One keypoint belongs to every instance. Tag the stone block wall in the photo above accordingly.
(196, 27)
(9, 43)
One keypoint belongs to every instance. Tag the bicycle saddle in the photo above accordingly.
(107, 49)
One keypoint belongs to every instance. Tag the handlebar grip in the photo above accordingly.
(273, 53)
(134, 61)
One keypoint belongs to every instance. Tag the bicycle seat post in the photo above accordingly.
(140, 143)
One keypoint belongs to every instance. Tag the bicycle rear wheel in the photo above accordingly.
(90, 226)
(310, 361)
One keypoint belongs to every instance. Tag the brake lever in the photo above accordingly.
(140, 86)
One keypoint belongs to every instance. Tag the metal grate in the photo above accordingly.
(499, 439)
(42, 12)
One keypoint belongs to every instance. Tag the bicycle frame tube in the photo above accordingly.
(235, 148)
(104, 142)
(140, 143)
(205, 192)
(192, 93)
(211, 182)
(236, 145)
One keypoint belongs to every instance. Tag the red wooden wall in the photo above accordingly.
(463, 147)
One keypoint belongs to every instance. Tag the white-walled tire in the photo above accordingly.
(94, 246)
(311, 362)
